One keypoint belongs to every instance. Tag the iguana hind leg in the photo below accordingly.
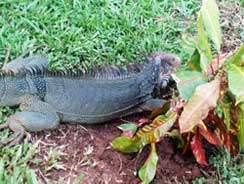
(16, 65)
(28, 121)
(36, 116)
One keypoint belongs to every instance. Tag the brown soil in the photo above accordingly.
(86, 150)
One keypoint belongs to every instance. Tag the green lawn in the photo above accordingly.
(100, 31)
(97, 31)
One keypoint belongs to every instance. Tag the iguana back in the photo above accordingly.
(99, 99)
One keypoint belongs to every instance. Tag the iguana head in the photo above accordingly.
(166, 63)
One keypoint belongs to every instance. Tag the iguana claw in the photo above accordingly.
(17, 137)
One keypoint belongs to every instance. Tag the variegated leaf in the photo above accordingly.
(197, 109)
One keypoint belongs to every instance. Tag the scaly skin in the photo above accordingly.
(48, 98)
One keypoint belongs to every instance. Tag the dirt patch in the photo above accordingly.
(85, 151)
(232, 23)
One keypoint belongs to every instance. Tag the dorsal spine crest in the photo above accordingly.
(107, 72)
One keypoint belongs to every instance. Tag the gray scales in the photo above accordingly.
(47, 98)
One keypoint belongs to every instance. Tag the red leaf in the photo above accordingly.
(197, 149)
(210, 136)
(143, 121)
(221, 129)
(187, 140)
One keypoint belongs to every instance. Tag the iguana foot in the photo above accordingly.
(18, 130)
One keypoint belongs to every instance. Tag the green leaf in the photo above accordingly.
(204, 61)
(194, 63)
(148, 134)
(161, 110)
(126, 144)
(155, 131)
(197, 109)
(203, 45)
(210, 15)
(176, 134)
(128, 127)
(227, 115)
(187, 81)
(241, 124)
(189, 44)
(236, 82)
(238, 59)
(225, 107)
(148, 170)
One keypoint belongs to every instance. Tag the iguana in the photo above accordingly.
(47, 98)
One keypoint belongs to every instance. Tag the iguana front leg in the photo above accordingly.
(152, 104)
(37, 62)
(36, 116)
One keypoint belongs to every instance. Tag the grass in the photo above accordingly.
(13, 164)
(97, 31)
(229, 169)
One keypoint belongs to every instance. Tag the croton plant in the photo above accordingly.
(208, 102)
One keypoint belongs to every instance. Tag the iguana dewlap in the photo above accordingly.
(48, 98)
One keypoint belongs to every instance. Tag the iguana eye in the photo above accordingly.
(163, 83)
